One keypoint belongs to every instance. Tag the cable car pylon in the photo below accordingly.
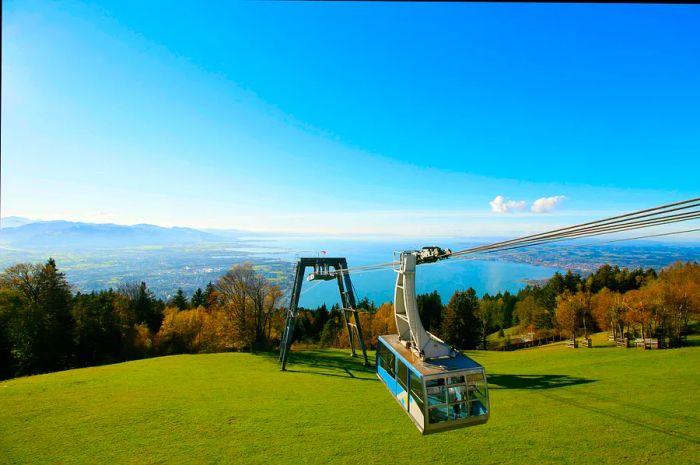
(324, 269)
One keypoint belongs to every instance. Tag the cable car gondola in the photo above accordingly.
(437, 386)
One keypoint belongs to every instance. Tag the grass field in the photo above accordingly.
(549, 405)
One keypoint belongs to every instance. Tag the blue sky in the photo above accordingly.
(401, 119)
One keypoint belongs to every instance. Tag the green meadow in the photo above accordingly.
(548, 405)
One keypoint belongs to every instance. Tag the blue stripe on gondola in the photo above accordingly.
(399, 356)
(387, 379)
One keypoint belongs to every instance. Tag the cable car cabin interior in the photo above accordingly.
(437, 394)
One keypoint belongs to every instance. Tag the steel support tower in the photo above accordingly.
(322, 270)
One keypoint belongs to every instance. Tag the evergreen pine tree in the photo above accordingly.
(54, 342)
(179, 301)
(198, 298)
(460, 325)
(209, 295)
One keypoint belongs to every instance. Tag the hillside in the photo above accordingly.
(550, 405)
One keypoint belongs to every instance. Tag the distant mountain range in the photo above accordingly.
(22, 233)
(14, 221)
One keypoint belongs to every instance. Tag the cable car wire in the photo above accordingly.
(597, 232)
(476, 255)
(573, 234)
(619, 219)
(629, 221)
(587, 228)
(589, 244)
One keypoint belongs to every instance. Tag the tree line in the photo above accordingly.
(628, 303)
(44, 326)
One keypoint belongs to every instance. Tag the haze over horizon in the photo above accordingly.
(428, 119)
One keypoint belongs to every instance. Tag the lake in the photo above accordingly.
(446, 277)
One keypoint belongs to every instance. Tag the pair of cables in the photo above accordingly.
(666, 214)
(571, 246)
(686, 210)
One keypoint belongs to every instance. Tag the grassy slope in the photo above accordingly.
(513, 331)
(549, 405)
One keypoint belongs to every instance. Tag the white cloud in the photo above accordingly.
(501, 205)
(546, 204)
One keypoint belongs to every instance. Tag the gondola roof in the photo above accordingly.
(438, 366)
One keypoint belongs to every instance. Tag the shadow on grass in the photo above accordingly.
(643, 408)
(497, 381)
(645, 421)
(327, 363)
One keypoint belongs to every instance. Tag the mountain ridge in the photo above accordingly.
(62, 233)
